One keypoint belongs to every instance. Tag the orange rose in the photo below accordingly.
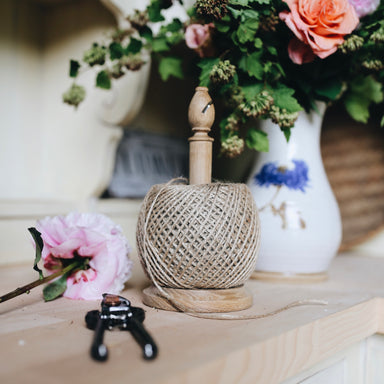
(322, 24)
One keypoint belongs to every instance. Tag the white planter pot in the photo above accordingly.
(300, 219)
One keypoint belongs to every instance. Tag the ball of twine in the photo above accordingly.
(198, 236)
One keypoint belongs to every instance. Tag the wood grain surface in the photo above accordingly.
(49, 342)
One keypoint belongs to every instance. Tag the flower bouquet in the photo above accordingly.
(265, 59)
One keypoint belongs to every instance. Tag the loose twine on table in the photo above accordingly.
(251, 238)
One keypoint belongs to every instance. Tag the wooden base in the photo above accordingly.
(290, 277)
(200, 300)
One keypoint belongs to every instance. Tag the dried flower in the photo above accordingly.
(375, 65)
(351, 44)
(215, 9)
(232, 123)
(138, 19)
(232, 147)
(74, 95)
(259, 106)
(282, 117)
(223, 72)
(133, 62)
(378, 36)
(95, 55)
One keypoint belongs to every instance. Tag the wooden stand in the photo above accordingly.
(200, 300)
(290, 278)
(201, 115)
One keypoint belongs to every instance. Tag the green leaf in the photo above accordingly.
(154, 12)
(146, 33)
(257, 140)
(134, 46)
(56, 288)
(251, 91)
(235, 12)
(102, 80)
(206, 66)
(116, 51)
(247, 30)
(159, 44)
(39, 248)
(74, 68)
(331, 90)
(171, 66)
(287, 133)
(258, 43)
(363, 91)
(174, 26)
(284, 99)
(223, 28)
(252, 64)
(239, 2)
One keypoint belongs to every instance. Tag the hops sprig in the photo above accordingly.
(351, 44)
(282, 117)
(139, 19)
(223, 72)
(232, 147)
(74, 95)
(259, 106)
(212, 9)
(95, 55)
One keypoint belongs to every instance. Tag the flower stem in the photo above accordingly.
(26, 288)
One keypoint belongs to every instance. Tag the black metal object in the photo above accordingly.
(117, 312)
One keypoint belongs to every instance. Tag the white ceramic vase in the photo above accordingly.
(300, 218)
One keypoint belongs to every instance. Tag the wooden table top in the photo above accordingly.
(49, 342)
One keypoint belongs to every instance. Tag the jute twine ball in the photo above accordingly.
(198, 236)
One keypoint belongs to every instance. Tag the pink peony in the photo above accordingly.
(196, 35)
(365, 7)
(92, 236)
(320, 24)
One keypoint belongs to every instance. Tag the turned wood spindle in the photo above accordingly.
(201, 115)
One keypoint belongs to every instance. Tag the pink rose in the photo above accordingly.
(364, 7)
(196, 35)
(92, 236)
(321, 24)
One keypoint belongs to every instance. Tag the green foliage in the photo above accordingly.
(284, 98)
(154, 12)
(39, 244)
(244, 61)
(362, 93)
(170, 66)
(116, 50)
(74, 68)
(103, 80)
(206, 66)
(253, 65)
(133, 47)
(257, 140)
(55, 289)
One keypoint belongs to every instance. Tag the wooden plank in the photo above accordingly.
(49, 341)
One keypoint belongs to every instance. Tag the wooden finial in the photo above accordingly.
(201, 115)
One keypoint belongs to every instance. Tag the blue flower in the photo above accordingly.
(271, 174)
